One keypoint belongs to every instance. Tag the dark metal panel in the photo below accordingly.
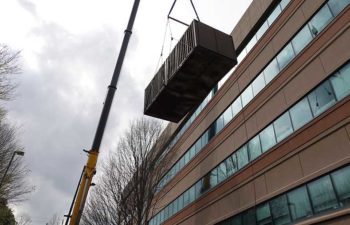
(201, 58)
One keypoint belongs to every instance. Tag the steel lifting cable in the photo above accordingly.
(162, 49)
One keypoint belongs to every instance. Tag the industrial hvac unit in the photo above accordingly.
(197, 63)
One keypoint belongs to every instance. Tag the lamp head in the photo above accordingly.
(21, 153)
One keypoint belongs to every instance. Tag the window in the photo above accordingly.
(341, 180)
(222, 172)
(170, 209)
(320, 20)
(166, 213)
(192, 193)
(283, 126)
(263, 215)
(267, 138)
(303, 38)
(186, 197)
(274, 14)
(219, 124)
(284, 3)
(231, 165)
(206, 183)
(237, 220)
(271, 71)
(198, 145)
(247, 95)
(338, 5)
(300, 114)
(285, 56)
(299, 203)
(205, 138)
(262, 30)
(227, 115)
(321, 98)
(280, 211)
(248, 218)
(180, 203)
(236, 106)
(175, 206)
(213, 177)
(242, 157)
(198, 188)
(258, 84)
(322, 194)
(341, 82)
(254, 148)
(177, 167)
(192, 152)
(187, 157)
(251, 43)
(181, 163)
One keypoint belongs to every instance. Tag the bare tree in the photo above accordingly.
(55, 220)
(9, 64)
(24, 220)
(125, 192)
(14, 186)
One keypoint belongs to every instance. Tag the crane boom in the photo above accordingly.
(89, 169)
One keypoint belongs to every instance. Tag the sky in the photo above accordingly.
(68, 54)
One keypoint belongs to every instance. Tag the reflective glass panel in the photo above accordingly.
(192, 193)
(280, 211)
(236, 106)
(262, 30)
(258, 84)
(299, 203)
(322, 194)
(320, 20)
(341, 82)
(219, 124)
(267, 138)
(263, 215)
(300, 113)
(181, 162)
(227, 115)
(301, 39)
(338, 5)
(248, 217)
(284, 3)
(283, 126)
(222, 172)
(198, 145)
(187, 157)
(341, 180)
(192, 152)
(321, 98)
(285, 56)
(274, 14)
(204, 138)
(186, 197)
(180, 203)
(206, 181)
(198, 188)
(254, 148)
(251, 43)
(213, 177)
(271, 71)
(247, 95)
(237, 220)
(242, 157)
(231, 165)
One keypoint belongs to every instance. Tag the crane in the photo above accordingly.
(89, 170)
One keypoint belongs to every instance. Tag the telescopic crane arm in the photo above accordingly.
(89, 169)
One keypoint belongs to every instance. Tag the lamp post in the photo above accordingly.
(21, 153)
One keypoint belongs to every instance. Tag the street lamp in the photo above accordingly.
(21, 153)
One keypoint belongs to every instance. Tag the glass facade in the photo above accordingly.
(301, 203)
(294, 206)
(301, 113)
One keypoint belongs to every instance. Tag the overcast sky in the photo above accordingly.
(69, 49)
